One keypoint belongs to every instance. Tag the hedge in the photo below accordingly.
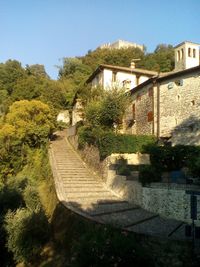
(109, 142)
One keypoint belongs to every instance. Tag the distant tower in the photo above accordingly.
(186, 56)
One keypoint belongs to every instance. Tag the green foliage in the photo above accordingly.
(122, 167)
(149, 174)
(10, 73)
(119, 57)
(27, 232)
(37, 70)
(109, 142)
(31, 198)
(162, 60)
(10, 199)
(32, 120)
(109, 247)
(166, 158)
(108, 110)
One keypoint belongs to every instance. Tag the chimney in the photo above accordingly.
(132, 66)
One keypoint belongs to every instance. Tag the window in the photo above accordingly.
(189, 52)
(133, 111)
(194, 52)
(150, 116)
(182, 53)
(127, 84)
(137, 79)
(114, 76)
(178, 55)
(139, 97)
(150, 92)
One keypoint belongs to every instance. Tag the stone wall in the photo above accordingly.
(77, 112)
(169, 108)
(64, 116)
(141, 112)
(170, 201)
(180, 110)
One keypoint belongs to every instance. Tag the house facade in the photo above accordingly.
(168, 105)
(108, 76)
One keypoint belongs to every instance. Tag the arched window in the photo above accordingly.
(194, 52)
(178, 55)
(182, 53)
(189, 52)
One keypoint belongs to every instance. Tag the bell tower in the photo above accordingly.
(186, 56)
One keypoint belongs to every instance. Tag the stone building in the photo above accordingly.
(108, 76)
(121, 44)
(168, 105)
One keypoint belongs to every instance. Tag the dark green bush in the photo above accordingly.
(31, 198)
(109, 247)
(27, 232)
(10, 198)
(109, 142)
(165, 158)
(149, 174)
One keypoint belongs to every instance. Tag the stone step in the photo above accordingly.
(127, 218)
(156, 227)
(94, 189)
(91, 199)
(88, 194)
(111, 208)
(71, 182)
(72, 186)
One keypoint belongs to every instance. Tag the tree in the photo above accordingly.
(32, 120)
(27, 232)
(10, 72)
(37, 70)
(162, 60)
(108, 110)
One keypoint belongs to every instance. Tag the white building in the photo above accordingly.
(108, 76)
(186, 56)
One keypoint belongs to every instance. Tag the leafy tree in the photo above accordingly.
(55, 94)
(29, 88)
(27, 232)
(162, 60)
(37, 70)
(108, 110)
(32, 120)
(10, 72)
(119, 57)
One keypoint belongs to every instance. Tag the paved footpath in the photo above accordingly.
(86, 194)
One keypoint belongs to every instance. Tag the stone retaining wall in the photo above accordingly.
(168, 200)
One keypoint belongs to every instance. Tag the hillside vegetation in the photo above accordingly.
(35, 230)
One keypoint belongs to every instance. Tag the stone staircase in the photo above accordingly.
(84, 193)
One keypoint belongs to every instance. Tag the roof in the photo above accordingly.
(185, 43)
(175, 74)
(122, 69)
(165, 76)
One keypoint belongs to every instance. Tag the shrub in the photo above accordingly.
(27, 232)
(10, 198)
(31, 198)
(165, 158)
(107, 110)
(109, 142)
(149, 174)
(109, 247)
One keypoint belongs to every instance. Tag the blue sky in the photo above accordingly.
(45, 31)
